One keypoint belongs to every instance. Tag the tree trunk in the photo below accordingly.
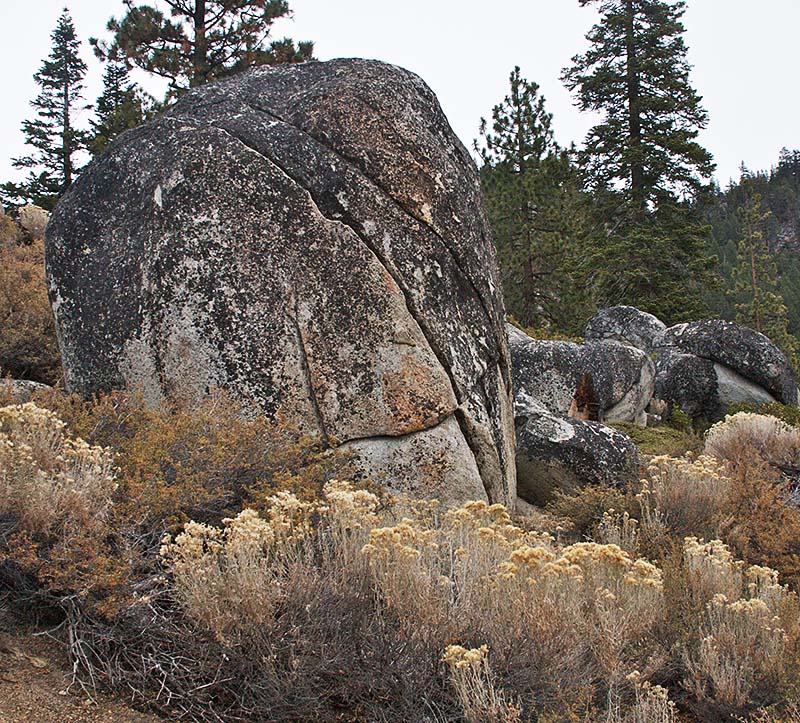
(635, 158)
(200, 54)
(66, 141)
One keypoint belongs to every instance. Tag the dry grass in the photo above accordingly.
(740, 437)
(348, 605)
(28, 344)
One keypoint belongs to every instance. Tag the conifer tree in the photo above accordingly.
(53, 134)
(533, 195)
(643, 160)
(201, 40)
(761, 305)
(120, 107)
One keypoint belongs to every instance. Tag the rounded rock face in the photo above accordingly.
(551, 371)
(628, 325)
(556, 454)
(745, 351)
(312, 238)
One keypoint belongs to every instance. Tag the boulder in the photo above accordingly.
(551, 372)
(628, 325)
(688, 382)
(744, 351)
(733, 388)
(312, 238)
(19, 391)
(557, 454)
(33, 220)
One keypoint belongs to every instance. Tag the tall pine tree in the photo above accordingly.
(120, 107)
(53, 134)
(760, 304)
(643, 160)
(201, 40)
(532, 193)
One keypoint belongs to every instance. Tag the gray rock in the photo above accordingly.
(745, 351)
(20, 391)
(733, 388)
(688, 382)
(628, 325)
(311, 237)
(557, 454)
(702, 388)
(33, 220)
(550, 372)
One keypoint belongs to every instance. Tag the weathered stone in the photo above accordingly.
(19, 391)
(688, 382)
(745, 351)
(551, 371)
(312, 238)
(33, 220)
(628, 325)
(733, 388)
(557, 454)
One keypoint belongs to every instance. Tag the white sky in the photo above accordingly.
(744, 55)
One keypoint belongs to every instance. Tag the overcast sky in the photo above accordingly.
(744, 55)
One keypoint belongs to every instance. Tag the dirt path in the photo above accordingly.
(35, 687)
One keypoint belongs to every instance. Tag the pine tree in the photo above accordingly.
(201, 40)
(53, 133)
(642, 159)
(120, 107)
(532, 193)
(761, 305)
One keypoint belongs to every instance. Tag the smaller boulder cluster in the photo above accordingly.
(705, 366)
(562, 391)
(632, 368)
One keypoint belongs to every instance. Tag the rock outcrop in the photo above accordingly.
(559, 454)
(310, 237)
(706, 366)
(744, 351)
(551, 371)
(33, 220)
(19, 391)
(628, 325)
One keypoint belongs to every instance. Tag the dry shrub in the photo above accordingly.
(581, 511)
(763, 525)
(743, 436)
(650, 704)
(48, 479)
(565, 624)
(173, 463)
(56, 496)
(788, 712)
(471, 678)
(741, 656)
(205, 462)
(28, 344)
(682, 496)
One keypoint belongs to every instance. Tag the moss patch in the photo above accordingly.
(661, 439)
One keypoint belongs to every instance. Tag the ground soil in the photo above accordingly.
(35, 686)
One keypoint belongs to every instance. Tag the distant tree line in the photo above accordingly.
(633, 217)
(195, 42)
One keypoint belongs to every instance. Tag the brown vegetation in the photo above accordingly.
(279, 593)
(28, 344)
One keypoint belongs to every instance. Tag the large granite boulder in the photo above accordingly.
(628, 325)
(558, 454)
(688, 382)
(551, 372)
(746, 352)
(312, 238)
